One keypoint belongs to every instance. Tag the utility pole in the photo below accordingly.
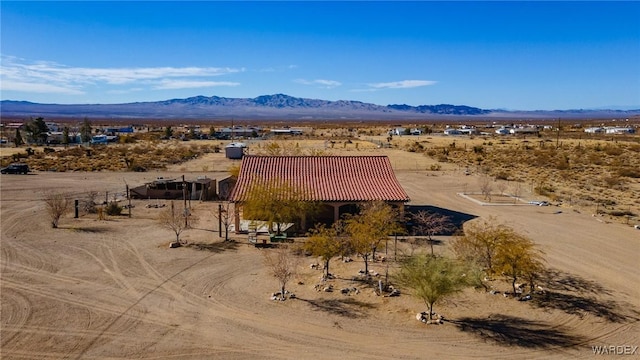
(219, 220)
(184, 197)
(558, 135)
(129, 200)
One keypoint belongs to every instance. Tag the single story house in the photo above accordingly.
(338, 183)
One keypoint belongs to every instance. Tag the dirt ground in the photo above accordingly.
(113, 289)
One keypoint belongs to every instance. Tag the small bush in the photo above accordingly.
(629, 172)
(619, 213)
(502, 175)
(113, 209)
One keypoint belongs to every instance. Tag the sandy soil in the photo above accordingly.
(113, 289)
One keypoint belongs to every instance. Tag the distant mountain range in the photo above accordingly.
(281, 107)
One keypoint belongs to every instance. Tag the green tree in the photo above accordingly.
(65, 136)
(168, 132)
(85, 130)
(18, 138)
(324, 242)
(431, 278)
(37, 130)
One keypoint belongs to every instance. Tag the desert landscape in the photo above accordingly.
(113, 288)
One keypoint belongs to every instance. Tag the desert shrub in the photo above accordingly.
(478, 149)
(544, 190)
(613, 181)
(113, 209)
(502, 175)
(88, 204)
(435, 167)
(562, 163)
(127, 139)
(621, 213)
(630, 172)
(613, 150)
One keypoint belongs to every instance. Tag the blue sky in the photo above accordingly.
(511, 55)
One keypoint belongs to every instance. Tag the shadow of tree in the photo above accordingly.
(457, 218)
(515, 331)
(214, 247)
(558, 280)
(348, 307)
(576, 296)
(579, 305)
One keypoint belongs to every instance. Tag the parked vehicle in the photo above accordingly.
(15, 169)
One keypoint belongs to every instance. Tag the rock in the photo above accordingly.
(525, 298)
(174, 245)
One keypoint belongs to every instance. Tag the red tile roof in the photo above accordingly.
(324, 178)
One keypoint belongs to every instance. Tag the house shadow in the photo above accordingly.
(217, 247)
(347, 307)
(456, 218)
(516, 331)
(575, 295)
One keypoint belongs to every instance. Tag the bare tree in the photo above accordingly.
(88, 204)
(283, 265)
(502, 186)
(225, 215)
(517, 190)
(57, 205)
(431, 224)
(486, 186)
(174, 220)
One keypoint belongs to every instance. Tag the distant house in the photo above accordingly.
(619, 130)
(452, 131)
(338, 183)
(594, 130)
(237, 132)
(286, 131)
(524, 130)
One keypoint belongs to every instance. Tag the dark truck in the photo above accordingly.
(15, 169)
